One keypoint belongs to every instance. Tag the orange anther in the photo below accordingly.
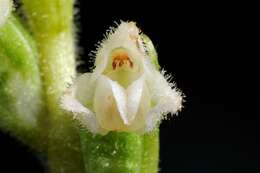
(120, 58)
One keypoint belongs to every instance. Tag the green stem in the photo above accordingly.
(51, 22)
(120, 152)
(150, 157)
(112, 153)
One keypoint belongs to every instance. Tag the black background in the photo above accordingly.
(207, 48)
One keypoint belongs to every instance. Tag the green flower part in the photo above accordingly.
(125, 92)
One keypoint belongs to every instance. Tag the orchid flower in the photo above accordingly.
(125, 91)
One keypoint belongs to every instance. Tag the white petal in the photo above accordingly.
(144, 105)
(110, 104)
(165, 98)
(81, 113)
(165, 105)
(134, 95)
(85, 89)
(120, 98)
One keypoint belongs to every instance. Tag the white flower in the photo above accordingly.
(5, 9)
(125, 92)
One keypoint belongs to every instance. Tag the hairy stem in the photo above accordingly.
(51, 22)
(120, 152)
